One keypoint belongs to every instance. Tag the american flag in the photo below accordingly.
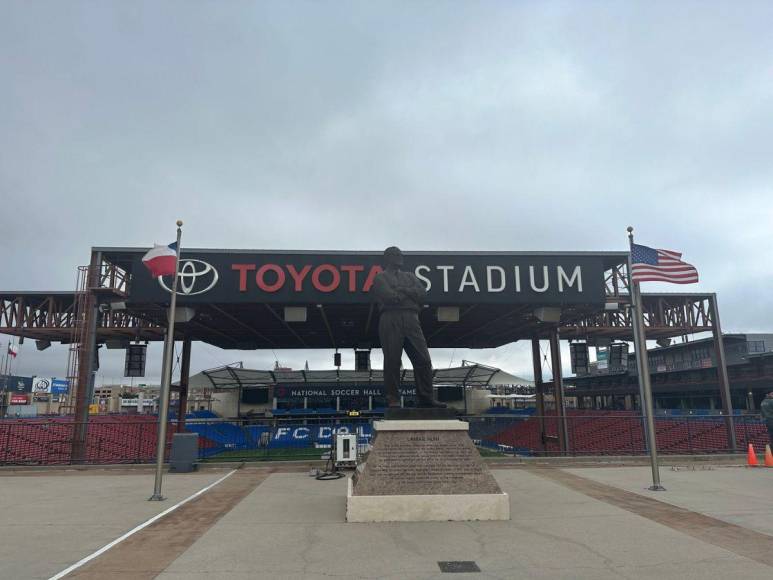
(651, 265)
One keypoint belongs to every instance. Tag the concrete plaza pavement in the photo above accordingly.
(49, 520)
(271, 522)
(739, 495)
(292, 526)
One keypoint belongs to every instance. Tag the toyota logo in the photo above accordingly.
(193, 277)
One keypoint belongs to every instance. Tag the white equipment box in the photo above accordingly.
(346, 449)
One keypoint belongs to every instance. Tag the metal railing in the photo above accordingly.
(132, 440)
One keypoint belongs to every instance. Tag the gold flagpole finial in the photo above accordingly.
(179, 223)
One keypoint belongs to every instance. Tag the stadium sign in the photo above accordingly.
(19, 399)
(60, 386)
(320, 434)
(336, 390)
(16, 384)
(41, 385)
(342, 277)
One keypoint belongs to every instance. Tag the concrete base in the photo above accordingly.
(421, 413)
(421, 425)
(426, 508)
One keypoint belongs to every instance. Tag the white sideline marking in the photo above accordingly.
(133, 531)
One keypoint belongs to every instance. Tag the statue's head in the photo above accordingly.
(393, 256)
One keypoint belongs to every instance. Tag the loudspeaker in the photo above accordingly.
(42, 344)
(578, 352)
(337, 359)
(362, 360)
(134, 365)
(618, 355)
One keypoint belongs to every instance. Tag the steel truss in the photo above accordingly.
(56, 316)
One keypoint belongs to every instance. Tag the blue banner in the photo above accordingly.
(60, 386)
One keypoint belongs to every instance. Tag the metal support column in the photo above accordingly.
(185, 370)
(724, 382)
(536, 360)
(558, 390)
(88, 348)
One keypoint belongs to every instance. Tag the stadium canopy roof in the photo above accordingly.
(272, 299)
(269, 299)
(234, 377)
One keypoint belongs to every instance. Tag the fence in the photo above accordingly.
(615, 433)
(52, 441)
(132, 439)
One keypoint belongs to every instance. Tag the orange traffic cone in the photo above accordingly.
(751, 457)
(768, 457)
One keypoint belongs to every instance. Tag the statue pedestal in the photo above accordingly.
(424, 470)
(419, 414)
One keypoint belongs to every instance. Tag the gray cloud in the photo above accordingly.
(476, 126)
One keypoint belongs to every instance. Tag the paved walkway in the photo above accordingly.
(49, 521)
(567, 523)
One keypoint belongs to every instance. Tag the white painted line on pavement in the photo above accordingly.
(133, 531)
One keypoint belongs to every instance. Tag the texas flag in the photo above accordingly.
(160, 260)
(13, 350)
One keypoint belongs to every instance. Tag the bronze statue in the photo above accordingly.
(400, 295)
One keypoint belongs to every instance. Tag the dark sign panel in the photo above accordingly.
(335, 390)
(326, 278)
(15, 384)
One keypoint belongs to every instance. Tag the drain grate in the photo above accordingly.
(460, 567)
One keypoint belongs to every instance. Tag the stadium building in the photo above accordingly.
(685, 376)
(258, 299)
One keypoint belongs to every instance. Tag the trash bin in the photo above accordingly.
(185, 452)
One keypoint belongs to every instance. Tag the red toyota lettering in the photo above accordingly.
(243, 269)
(335, 278)
(298, 276)
(371, 277)
(352, 271)
(260, 277)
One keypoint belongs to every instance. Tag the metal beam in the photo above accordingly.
(86, 357)
(536, 361)
(287, 326)
(185, 370)
(558, 390)
(327, 325)
(242, 324)
(724, 382)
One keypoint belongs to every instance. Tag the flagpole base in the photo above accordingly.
(156, 497)
(656, 488)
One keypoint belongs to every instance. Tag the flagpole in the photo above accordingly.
(166, 378)
(643, 368)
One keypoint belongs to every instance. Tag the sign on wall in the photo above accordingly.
(18, 384)
(20, 399)
(348, 277)
(60, 386)
(41, 385)
(602, 357)
(336, 390)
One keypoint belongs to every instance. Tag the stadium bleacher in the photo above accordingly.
(132, 438)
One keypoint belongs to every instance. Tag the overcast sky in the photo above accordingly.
(430, 125)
